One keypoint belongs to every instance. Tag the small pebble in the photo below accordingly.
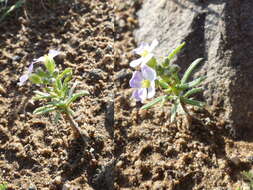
(32, 187)
(2, 90)
(57, 180)
(66, 187)
(250, 159)
(16, 58)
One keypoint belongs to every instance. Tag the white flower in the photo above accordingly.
(51, 54)
(145, 51)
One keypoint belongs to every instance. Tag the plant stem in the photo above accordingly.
(187, 114)
(77, 131)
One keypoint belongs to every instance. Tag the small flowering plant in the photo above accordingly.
(151, 75)
(57, 90)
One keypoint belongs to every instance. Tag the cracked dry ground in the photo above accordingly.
(34, 152)
(154, 154)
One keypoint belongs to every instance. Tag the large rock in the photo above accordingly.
(221, 31)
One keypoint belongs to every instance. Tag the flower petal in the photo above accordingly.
(151, 90)
(136, 62)
(148, 73)
(52, 53)
(147, 58)
(22, 79)
(140, 94)
(135, 81)
(30, 68)
(143, 94)
(41, 59)
(140, 49)
(154, 44)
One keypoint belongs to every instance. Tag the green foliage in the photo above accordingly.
(6, 10)
(58, 93)
(3, 186)
(248, 176)
(179, 91)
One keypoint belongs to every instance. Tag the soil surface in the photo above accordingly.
(154, 154)
(136, 149)
(35, 153)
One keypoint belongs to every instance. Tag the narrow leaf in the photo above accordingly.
(176, 51)
(35, 79)
(163, 84)
(50, 64)
(190, 69)
(193, 91)
(191, 84)
(155, 101)
(67, 71)
(44, 109)
(192, 102)
(57, 117)
(44, 94)
(12, 8)
(76, 95)
(59, 84)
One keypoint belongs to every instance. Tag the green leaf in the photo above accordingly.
(166, 62)
(75, 96)
(12, 8)
(41, 95)
(35, 79)
(42, 74)
(193, 91)
(70, 111)
(44, 94)
(59, 84)
(57, 103)
(67, 71)
(163, 84)
(190, 69)
(155, 101)
(191, 84)
(71, 91)
(176, 51)
(3, 186)
(50, 64)
(44, 109)
(192, 102)
(57, 117)
(66, 80)
(152, 63)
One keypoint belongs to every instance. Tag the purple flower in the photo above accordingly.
(145, 51)
(51, 54)
(144, 83)
(25, 77)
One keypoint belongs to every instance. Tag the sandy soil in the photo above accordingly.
(129, 148)
(34, 152)
(153, 153)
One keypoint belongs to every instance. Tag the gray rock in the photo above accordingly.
(221, 31)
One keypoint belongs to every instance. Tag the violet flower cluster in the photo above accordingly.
(164, 75)
(143, 80)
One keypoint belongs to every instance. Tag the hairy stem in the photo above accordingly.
(77, 131)
(187, 115)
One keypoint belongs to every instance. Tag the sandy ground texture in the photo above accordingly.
(151, 153)
(35, 153)
(154, 154)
